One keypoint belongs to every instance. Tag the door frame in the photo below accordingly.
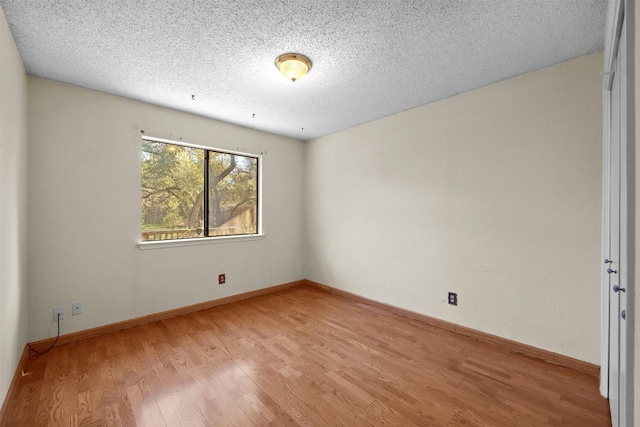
(620, 10)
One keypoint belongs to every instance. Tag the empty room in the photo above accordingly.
(337, 213)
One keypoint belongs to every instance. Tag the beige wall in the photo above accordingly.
(494, 194)
(13, 207)
(84, 212)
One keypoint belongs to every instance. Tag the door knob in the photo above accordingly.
(607, 261)
(609, 271)
(617, 288)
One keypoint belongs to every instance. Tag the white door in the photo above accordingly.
(623, 288)
(612, 255)
(617, 251)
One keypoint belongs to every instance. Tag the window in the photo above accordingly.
(192, 192)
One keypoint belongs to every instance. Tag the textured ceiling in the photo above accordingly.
(371, 58)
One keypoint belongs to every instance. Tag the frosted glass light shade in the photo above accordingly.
(293, 66)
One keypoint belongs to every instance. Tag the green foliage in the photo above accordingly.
(172, 178)
(173, 189)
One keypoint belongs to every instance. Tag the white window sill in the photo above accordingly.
(163, 244)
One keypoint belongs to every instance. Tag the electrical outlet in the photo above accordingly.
(453, 298)
(56, 311)
(221, 279)
(76, 308)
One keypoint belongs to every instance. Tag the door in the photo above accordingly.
(617, 244)
(624, 286)
(612, 255)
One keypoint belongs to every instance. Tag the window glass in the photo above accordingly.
(233, 194)
(175, 193)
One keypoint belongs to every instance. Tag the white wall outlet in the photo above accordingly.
(56, 311)
(76, 308)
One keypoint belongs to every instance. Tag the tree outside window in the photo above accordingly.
(179, 181)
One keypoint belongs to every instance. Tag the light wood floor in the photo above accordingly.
(298, 357)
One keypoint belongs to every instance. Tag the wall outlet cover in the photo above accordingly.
(76, 308)
(453, 298)
(55, 313)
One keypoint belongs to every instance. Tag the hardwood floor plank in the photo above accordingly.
(298, 357)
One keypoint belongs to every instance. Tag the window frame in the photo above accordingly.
(191, 241)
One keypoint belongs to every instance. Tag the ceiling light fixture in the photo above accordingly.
(293, 66)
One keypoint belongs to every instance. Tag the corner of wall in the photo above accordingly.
(13, 206)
